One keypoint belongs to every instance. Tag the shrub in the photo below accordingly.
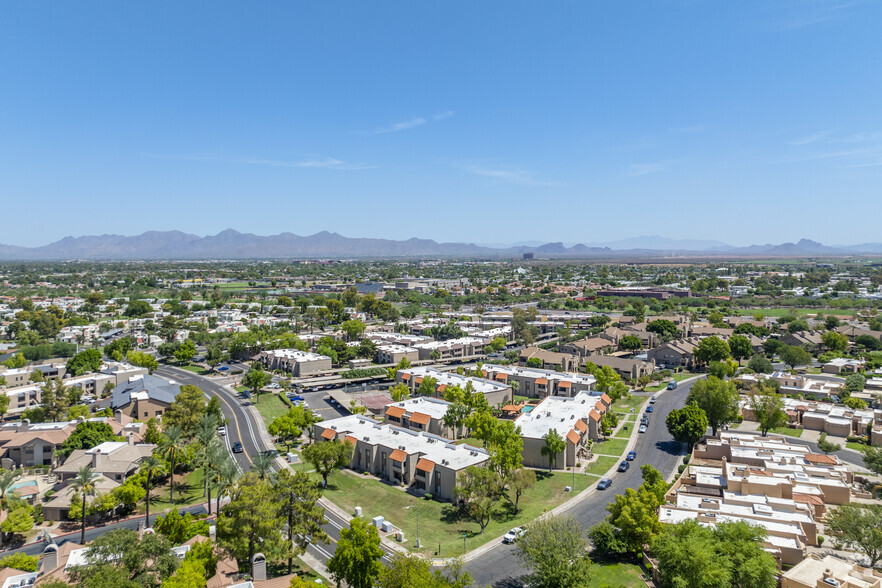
(820, 540)
(428, 496)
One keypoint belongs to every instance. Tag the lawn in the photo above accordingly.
(610, 447)
(679, 377)
(602, 465)
(196, 369)
(787, 431)
(271, 406)
(855, 446)
(188, 491)
(620, 575)
(470, 441)
(441, 524)
(624, 405)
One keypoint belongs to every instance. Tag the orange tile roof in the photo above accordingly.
(502, 377)
(564, 384)
(541, 382)
(395, 411)
(398, 455)
(420, 418)
(574, 437)
(418, 380)
(329, 434)
(601, 407)
(425, 465)
(511, 408)
(606, 399)
(441, 388)
(350, 439)
(405, 377)
(594, 415)
(581, 426)
(808, 498)
(820, 459)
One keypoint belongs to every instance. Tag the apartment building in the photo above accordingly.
(589, 347)
(115, 460)
(540, 383)
(298, 363)
(420, 461)
(497, 393)
(829, 571)
(549, 359)
(144, 397)
(452, 348)
(392, 353)
(834, 419)
(628, 368)
(795, 385)
(575, 419)
(407, 340)
(674, 354)
(421, 413)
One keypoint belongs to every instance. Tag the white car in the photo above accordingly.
(222, 430)
(642, 428)
(513, 535)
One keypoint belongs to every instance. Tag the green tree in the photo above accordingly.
(794, 355)
(185, 352)
(252, 518)
(20, 561)
(831, 322)
(687, 557)
(630, 343)
(327, 456)
(256, 378)
(482, 425)
(634, 516)
(401, 365)
(18, 519)
(356, 561)
(121, 558)
(556, 551)
(834, 341)
(718, 399)
(87, 435)
(855, 382)
(152, 466)
(137, 309)
(768, 409)
(144, 360)
(399, 392)
(353, 329)
(16, 361)
(479, 489)
(84, 362)
(827, 447)
(185, 410)
(857, 527)
(84, 484)
(740, 347)
(759, 364)
(190, 574)
(666, 330)
(298, 496)
(178, 527)
(170, 450)
(712, 349)
(688, 424)
(4, 403)
(427, 387)
(55, 400)
(517, 482)
(285, 429)
(505, 447)
(872, 460)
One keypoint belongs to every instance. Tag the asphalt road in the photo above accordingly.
(500, 566)
(240, 426)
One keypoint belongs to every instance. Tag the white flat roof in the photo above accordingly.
(434, 407)
(556, 412)
(481, 385)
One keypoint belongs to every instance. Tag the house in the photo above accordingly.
(834, 419)
(550, 359)
(539, 383)
(116, 460)
(816, 571)
(298, 363)
(803, 385)
(588, 347)
(575, 419)
(143, 397)
(843, 364)
(808, 339)
(630, 369)
(674, 354)
(422, 462)
(854, 332)
(58, 507)
(421, 413)
(497, 392)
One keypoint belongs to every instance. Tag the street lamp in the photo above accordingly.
(418, 544)
(463, 543)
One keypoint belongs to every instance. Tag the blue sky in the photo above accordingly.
(749, 122)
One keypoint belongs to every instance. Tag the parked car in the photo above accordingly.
(642, 428)
(649, 408)
(513, 535)
(604, 483)
(652, 399)
(632, 455)
(237, 447)
(222, 430)
(623, 467)
(223, 368)
(672, 385)
(644, 420)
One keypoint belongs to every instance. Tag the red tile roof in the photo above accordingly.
(594, 415)
(817, 458)
(574, 437)
(425, 465)
(329, 434)
(420, 418)
(541, 382)
(398, 455)
(395, 411)
(581, 426)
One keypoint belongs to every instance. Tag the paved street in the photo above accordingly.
(501, 568)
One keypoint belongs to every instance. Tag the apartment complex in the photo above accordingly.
(421, 413)
(497, 393)
(298, 363)
(834, 419)
(540, 383)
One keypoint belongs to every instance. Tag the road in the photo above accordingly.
(240, 425)
(501, 568)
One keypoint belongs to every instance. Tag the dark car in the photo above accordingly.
(632, 455)
(649, 408)
(623, 467)
(237, 447)
(223, 368)
(644, 420)
(672, 385)
(604, 483)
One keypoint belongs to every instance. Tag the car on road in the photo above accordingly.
(623, 467)
(604, 483)
(513, 535)
(222, 430)
(632, 455)
(237, 447)
(652, 400)
(644, 420)
(672, 385)
(223, 368)
(649, 408)
(642, 428)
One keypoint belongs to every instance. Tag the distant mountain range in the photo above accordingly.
(232, 244)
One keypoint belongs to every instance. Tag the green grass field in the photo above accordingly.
(441, 524)
(613, 446)
(270, 406)
(624, 405)
(787, 431)
(620, 575)
(470, 441)
(188, 491)
(602, 465)
(195, 369)
(855, 446)
(776, 312)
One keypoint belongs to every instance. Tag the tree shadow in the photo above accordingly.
(509, 582)
(670, 447)
(543, 475)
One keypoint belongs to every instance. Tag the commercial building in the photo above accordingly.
(420, 461)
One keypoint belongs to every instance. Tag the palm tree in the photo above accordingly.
(215, 457)
(7, 479)
(84, 482)
(206, 438)
(227, 476)
(263, 465)
(151, 466)
(169, 449)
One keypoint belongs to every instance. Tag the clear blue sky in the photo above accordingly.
(744, 121)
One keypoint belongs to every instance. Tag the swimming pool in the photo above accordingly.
(23, 484)
(527, 408)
